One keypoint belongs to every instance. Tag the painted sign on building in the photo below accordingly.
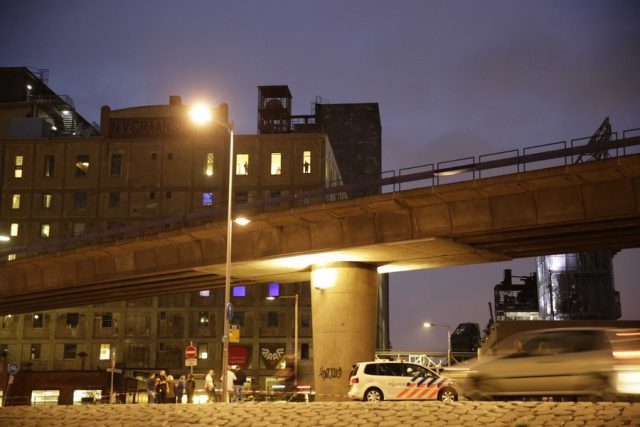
(271, 354)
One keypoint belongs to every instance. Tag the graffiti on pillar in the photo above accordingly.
(330, 373)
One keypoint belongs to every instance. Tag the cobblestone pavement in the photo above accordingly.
(329, 414)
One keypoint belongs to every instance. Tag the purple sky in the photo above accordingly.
(453, 79)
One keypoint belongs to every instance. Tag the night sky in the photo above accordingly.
(453, 79)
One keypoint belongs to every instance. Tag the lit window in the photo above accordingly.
(203, 351)
(44, 397)
(203, 318)
(13, 232)
(239, 291)
(79, 228)
(46, 200)
(35, 352)
(82, 164)
(49, 166)
(15, 201)
(274, 289)
(70, 351)
(207, 198)
(276, 163)
(7, 321)
(105, 351)
(205, 293)
(306, 162)
(72, 320)
(45, 230)
(116, 164)
(37, 321)
(208, 168)
(242, 164)
(11, 257)
(17, 172)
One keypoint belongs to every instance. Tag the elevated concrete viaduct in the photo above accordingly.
(342, 246)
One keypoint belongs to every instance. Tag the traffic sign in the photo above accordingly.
(191, 352)
(234, 333)
(190, 362)
(13, 368)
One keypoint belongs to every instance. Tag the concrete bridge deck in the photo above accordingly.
(271, 414)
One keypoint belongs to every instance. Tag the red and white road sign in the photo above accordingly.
(190, 352)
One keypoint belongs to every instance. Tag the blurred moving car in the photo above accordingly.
(563, 363)
(397, 380)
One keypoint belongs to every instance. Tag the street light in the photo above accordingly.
(429, 324)
(202, 115)
(295, 338)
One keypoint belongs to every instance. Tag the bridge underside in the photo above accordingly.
(580, 207)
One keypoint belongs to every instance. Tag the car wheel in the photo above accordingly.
(373, 395)
(448, 394)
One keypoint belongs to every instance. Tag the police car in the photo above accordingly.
(398, 380)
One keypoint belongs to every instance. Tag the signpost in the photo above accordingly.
(191, 356)
(13, 368)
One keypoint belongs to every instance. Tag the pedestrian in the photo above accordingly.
(161, 388)
(209, 386)
(238, 385)
(180, 389)
(231, 377)
(171, 389)
(151, 388)
(190, 388)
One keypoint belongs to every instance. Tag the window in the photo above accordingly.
(272, 319)
(37, 320)
(152, 195)
(70, 351)
(7, 321)
(305, 321)
(116, 165)
(306, 162)
(203, 318)
(79, 229)
(44, 397)
(11, 257)
(45, 230)
(105, 351)
(17, 172)
(114, 200)
(304, 351)
(49, 166)
(13, 231)
(239, 291)
(242, 196)
(208, 167)
(203, 351)
(169, 156)
(72, 320)
(46, 200)
(167, 195)
(207, 198)
(154, 155)
(15, 201)
(80, 200)
(242, 164)
(274, 290)
(276, 163)
(82, 165)
(238, 318)
(35, 352)
(205, 293)
(106, 320)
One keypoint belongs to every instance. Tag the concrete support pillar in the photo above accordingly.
(344, 305)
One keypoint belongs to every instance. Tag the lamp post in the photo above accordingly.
(295, 339)
(429, 324)
(202, 115)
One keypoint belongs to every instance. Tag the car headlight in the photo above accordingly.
(627, 381)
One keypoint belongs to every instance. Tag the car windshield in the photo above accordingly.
(557, 342)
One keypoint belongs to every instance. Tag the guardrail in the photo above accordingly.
(421, 176)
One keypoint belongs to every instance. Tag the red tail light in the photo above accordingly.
(355, 380)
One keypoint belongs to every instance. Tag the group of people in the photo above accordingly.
(235, 384)
(163, 388)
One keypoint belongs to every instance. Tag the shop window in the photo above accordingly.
(14, 229)
(82, 165)
(276, 163)
(242, 164)
(208, 167)
(37, 320)
(72, 320)
(15, 201)
(106, 320)
(306, 162)
(46, 200)
(70, 351)
(49, 166)
(116, 165)
(203, 351)
(114, 200)
(207, 198)
(105, 351)
(17, 171)
(45, 397)
(45, 230)
(35, 353)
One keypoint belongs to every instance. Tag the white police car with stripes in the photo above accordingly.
(398, 380)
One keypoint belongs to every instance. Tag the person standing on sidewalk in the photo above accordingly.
(238, 385)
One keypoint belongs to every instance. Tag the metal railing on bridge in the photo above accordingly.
(421, 176)
(433, 359)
